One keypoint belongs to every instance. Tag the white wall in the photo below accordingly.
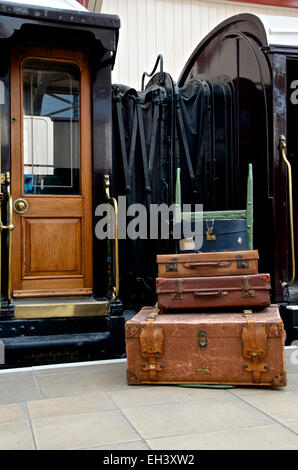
(170, 27)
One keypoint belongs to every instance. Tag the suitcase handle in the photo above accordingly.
(219, 264)
(217, 293)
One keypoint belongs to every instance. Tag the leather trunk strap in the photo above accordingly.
(254, 343)
(151, 346)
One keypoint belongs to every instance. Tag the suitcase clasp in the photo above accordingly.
(203, 371)
(171, 267)
(242, 263)
(210, 236)
(203, 339)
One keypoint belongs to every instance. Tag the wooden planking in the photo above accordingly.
(159, 28)
(142, 42)
(169, 27)
(132, 38)
(152, 52)
(94, 5)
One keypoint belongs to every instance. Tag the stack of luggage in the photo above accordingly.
(213, 324)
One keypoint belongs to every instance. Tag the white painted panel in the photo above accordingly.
(91, 5)
(142, 44)
(132, 39)
(38, 145)
(170, 27)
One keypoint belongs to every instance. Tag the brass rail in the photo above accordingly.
(290, 196)
(5, 180)
(9, 227)
(115, 205)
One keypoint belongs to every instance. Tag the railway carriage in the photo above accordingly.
(234, 106)
(71, 141)
(259, 55)
(58, 299)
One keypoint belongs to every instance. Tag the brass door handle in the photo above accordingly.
(20, 205)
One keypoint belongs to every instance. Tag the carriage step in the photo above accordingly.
(55, 308)
(56, 341)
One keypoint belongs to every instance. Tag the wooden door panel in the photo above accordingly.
(52, 247)
(52, 241)
(64, 206)
(48, 288)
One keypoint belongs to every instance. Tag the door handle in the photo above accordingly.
(216, 293)
(20, 205)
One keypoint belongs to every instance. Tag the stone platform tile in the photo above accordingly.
(292, 359)
(11, 413)
(293, 425)
(18, 387)
(92, 366)
(75, 404)
(80, 382)
(138, 445)
(16, 436)
(199, 416)
(280, 406)
(293, 378)
(241, 391)
(157, 394)
(271, 437)
(83, 430)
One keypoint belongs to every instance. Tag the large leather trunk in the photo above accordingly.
(239, 348)
(208, 264)
(210, 292)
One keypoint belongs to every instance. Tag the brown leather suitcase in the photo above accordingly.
(208, 264)
(240, 348)
(210, 292)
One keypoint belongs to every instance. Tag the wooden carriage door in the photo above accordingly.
(51, 173)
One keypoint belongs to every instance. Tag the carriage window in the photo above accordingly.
(51, 127)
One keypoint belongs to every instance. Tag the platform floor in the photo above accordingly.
(90, 406)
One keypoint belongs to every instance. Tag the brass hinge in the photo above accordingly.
(5, 178)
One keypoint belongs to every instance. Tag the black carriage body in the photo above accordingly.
(96, 35)
(239, 83)
(240, 48)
